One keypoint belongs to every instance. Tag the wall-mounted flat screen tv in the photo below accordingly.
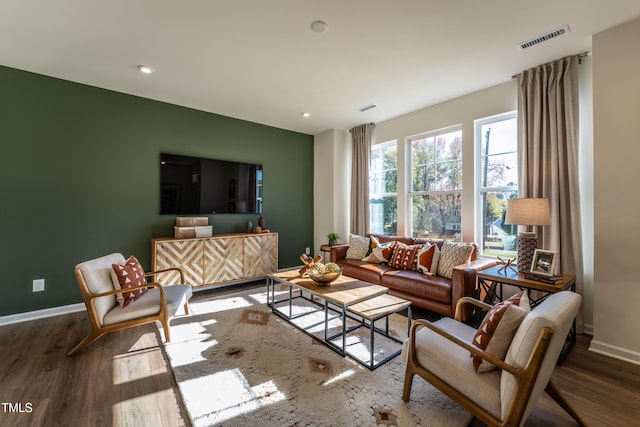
(195, 185)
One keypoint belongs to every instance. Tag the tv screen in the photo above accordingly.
(194, 185)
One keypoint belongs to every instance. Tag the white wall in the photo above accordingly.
(616, 109)
(331, 182)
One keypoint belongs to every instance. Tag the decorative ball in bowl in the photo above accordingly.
(324, 277)
(324, 273)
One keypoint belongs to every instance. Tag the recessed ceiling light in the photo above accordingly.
(305, 114)
(145, 69)
(319, 26)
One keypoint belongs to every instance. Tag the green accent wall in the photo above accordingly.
(80, 179)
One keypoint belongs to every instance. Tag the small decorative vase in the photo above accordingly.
(333, 242)
(262, 223)
(249, 226)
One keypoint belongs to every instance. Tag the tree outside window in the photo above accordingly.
(436, 185)
(383, 188)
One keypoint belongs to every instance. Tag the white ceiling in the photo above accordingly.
(258, 60)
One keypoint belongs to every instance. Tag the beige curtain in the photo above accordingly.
(360, 155)
(548, 157)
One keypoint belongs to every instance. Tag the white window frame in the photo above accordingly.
(372, 195)
(480, 189)
(410, 190)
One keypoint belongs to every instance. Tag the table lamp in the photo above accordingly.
(527, 212)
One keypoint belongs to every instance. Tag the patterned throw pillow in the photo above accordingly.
(498, 328)
(404, 256)
(380, 252)
(126, 276)
(427, 259)
(453, 254)
(358, 247)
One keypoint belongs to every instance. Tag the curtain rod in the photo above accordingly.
(579, 56)
(370, 124)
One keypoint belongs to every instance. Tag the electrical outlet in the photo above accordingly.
(38, 285)
(307, 251)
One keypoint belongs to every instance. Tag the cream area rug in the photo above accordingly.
(238, 364)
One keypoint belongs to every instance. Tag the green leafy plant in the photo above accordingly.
(333, 236)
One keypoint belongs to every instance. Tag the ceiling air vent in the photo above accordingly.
(368, 107)
(543, 38)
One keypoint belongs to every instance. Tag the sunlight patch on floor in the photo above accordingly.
(134, 366)
(235, 396)
(219, 305)
(341, 376)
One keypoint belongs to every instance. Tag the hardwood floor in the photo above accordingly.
(124, 380)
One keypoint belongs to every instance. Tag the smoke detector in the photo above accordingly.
(319, 26)
(544, 37)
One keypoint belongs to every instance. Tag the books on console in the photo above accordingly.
(530, 275)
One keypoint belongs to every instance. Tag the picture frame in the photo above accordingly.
(544, 262)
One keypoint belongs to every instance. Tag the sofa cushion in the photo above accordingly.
(434, 288)
(362, 270)
(453, 254)
(149, 304)
(404, 256)
(358, 247)
(498, 328)
(383, 238)
(380, 252)
(427, 259)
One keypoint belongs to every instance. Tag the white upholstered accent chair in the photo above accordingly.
(106, 315)
(439, 352)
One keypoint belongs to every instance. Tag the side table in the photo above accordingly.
(325, 249)
(491, 281)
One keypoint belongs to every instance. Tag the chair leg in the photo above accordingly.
(89, 339)
(556, 395)
(186, 308)
(408, 382)
(167, 332)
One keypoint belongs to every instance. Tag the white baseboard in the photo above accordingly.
(40, 314)
(615, 352)
(587, 329)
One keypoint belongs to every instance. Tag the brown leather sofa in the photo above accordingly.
(434, 293)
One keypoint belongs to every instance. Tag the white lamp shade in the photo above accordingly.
(528, 211)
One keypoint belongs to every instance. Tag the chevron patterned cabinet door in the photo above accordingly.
(185, 253)
(260, 255)
(223, 260)
(217, 260)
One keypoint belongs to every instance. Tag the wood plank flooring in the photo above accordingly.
(124, 380)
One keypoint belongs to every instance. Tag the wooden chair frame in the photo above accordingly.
(98, 330)
(525, 377)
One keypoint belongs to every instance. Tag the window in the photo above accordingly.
(436, 184)
(383, 187)
(497, 171)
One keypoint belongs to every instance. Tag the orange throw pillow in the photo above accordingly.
(498, 328)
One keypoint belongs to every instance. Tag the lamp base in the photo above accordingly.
(527, 244)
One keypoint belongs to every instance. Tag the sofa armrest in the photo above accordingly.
(338, 252)
(463, 283)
